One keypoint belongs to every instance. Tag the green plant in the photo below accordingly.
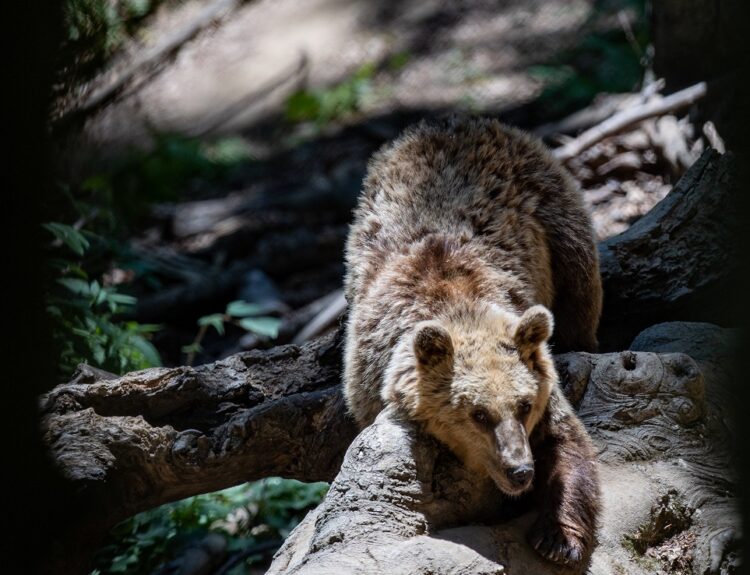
(333, 103)
(84, 313)
(240, 313)
(398, 60)
(246, 514)
(87, 314)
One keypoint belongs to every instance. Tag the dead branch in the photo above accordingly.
(600, 109)
(712, 135)
(324, 319)
(629, 117)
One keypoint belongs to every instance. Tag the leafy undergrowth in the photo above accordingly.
(265, 510)
(84, 312)
(91, 298)
(322, 106)
(343, 99)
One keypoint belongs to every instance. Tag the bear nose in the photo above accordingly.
(521, 475)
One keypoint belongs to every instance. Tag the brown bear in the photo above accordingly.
(466, 233)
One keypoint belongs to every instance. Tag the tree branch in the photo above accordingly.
(159, 435)
(629, 117)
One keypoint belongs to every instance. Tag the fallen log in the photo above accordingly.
(678, 262)
(162, 434)
(402, 504)
(131, 443)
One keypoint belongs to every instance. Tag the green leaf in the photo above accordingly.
(229, 151)
(123, 563)
(143, 327)
(138, 8)
(398, 60)
(122, 298)
(75, 285)
(68, 235)
(242, 308)
(99, 352)
(191, 348)
(150, 354)
(267, 326)
(302, 106)
(216, 320)
(54, 311)
(98, 293)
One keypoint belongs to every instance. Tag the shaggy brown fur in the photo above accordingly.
(466, 232)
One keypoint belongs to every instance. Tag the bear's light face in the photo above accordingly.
(479, 384)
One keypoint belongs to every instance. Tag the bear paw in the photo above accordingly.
(557, 544)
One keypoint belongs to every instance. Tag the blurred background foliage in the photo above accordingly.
(87, 306)
(263, 511)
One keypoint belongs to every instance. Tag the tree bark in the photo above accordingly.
(131, 443)
(678, 262)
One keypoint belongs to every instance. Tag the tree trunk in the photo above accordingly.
(678, 262)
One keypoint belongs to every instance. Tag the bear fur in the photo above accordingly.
(467, 232)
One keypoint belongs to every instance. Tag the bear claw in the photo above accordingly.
(553, 544)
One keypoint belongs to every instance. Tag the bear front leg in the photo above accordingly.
(567, 486)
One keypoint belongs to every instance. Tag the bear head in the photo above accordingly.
(479, 381)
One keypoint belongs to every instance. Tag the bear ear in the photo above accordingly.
(432, 344)
(534, 328)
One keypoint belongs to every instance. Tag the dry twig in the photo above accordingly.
(627, 118)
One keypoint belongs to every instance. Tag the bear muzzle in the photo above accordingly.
(520, 477)
(515, 465)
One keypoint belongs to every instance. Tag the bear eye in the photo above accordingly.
(524, 408)
(480, 416)
(506, 347)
